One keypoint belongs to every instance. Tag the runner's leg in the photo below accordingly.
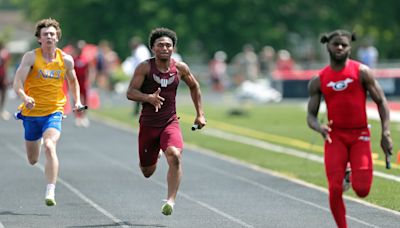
(361, 164)
(148, 149)
(50, 139)
(174, 175)
(33, 150)
(335, 164)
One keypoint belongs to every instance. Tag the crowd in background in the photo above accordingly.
(99, 67)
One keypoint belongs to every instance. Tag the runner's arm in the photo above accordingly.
(195, 92)
(72, 80)
(135, 94)
(378, 96)
(20, 76)
(314, 102)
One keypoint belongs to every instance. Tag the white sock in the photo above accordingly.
(170, 202)
(51, 187)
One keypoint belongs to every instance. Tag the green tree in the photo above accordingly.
(209, 25)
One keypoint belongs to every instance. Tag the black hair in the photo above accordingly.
(160, 32)
(325, 38)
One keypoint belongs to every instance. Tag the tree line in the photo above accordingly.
(205, 26)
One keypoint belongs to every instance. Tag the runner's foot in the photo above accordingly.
(5, 115)
(50, 195)
(167, 208)
(346, 180)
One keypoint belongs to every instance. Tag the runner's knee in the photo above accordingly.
(32, 151)
(148, 171)
(335, 190)
(147, 174)
(32, 160)
(49, 146)
(361, 191)
(335, 184)
(361, 182)
(173, 155)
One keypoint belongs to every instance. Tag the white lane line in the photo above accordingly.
(294, 152)
(244, 179)
(386, 176)
(246, 140)
(267, 146)
(163, 185)
(1, 225)
(280, 149)
(69, 186)
(276, 174)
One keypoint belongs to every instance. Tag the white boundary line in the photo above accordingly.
(280, 149)
(163, 185)
(289, 151)
(74, 190)
(267, 146)
(243, 179)
(1, 225)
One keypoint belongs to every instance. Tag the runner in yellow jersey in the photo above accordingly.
(38, 82)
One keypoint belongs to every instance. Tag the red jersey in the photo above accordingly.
(168, 82)
(345, 96)
(82, 70)
(4, 57)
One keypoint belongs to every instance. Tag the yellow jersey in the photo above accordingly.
(45, 84)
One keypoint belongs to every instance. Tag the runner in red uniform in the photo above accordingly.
(83, 69)
(4, 61)
(344, 85)
(154, 83)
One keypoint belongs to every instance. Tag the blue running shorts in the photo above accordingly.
(35, 126)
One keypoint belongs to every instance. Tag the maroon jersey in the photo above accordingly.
(345, 96)
(168, 82)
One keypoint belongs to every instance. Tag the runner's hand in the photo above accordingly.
(386, 144)
(29, 102)
(156, 100)
(200, 122)
(325, 129)
(80, 108)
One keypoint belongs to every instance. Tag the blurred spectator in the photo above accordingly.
(246, 64)
(139, 53)
(368, 54)
(284, 61)
(267, 61)
(84, 55)
(106, 65)
(176, 55)
(4, 61)
(217, 69)
(84, 69)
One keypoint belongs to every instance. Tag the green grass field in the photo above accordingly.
(283, 124)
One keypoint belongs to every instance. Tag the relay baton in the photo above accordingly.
(80, 109)
(387, 157)
(195, 126)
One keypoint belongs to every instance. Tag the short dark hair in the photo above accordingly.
(325, 38)
(45, 23)
(160, 32)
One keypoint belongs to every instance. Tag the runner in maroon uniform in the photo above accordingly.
(155, 83)
(344, 85)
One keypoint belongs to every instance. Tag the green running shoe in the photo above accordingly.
(50, 202)
(167, 208)
(50, 197)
